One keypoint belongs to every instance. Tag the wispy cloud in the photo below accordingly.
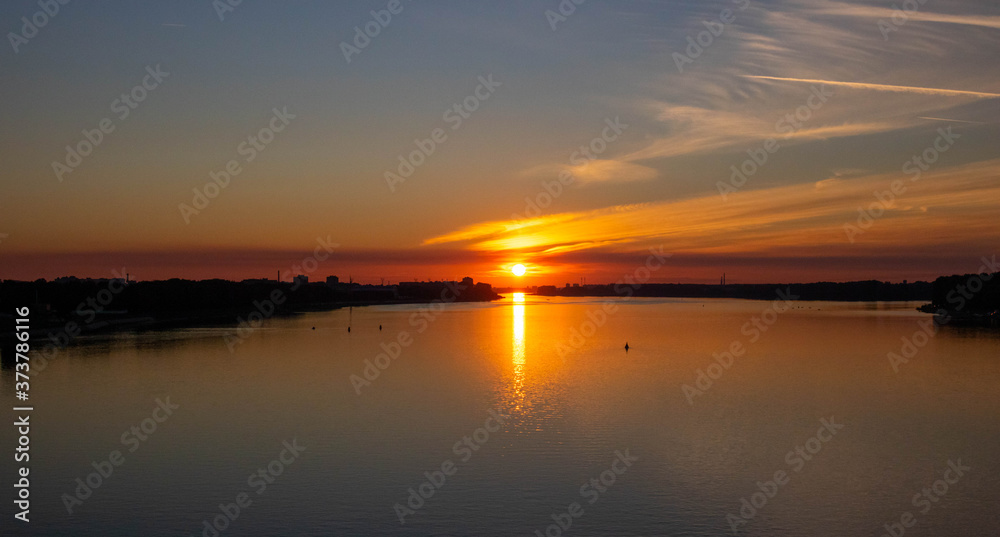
(932, 213)
(759, 70)
(952, 120)
(611, 171)
(594, 172)
(921, 15)
(883, 87)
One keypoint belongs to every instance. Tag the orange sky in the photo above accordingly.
(938, 222)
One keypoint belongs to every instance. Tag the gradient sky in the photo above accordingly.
(654, 186)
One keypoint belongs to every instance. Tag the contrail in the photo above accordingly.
(885, 87)
(955, 120)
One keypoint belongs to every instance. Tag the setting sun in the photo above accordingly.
(518, 270)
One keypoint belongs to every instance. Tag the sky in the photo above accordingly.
(774, 141)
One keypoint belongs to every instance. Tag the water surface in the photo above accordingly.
(558, 369)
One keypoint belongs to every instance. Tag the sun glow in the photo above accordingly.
(518, 270)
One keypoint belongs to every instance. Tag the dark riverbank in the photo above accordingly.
(958, 300)
(63, 310)
(864, 291)
(966, 300)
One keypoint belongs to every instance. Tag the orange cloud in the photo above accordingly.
(940, 207)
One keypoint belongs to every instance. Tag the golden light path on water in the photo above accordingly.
(517, 347)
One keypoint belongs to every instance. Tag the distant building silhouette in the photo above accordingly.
(465, 290)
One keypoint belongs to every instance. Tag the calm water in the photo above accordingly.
(568, 416)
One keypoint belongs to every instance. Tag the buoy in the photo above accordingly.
(626, 346)
(379, 328)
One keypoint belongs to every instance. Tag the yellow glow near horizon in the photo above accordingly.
(518, 270)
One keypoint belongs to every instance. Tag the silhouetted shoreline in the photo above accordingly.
(966, 300)
(67, 308)
(861, 291)
(958, 300)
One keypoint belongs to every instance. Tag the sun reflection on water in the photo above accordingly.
(517, 348)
